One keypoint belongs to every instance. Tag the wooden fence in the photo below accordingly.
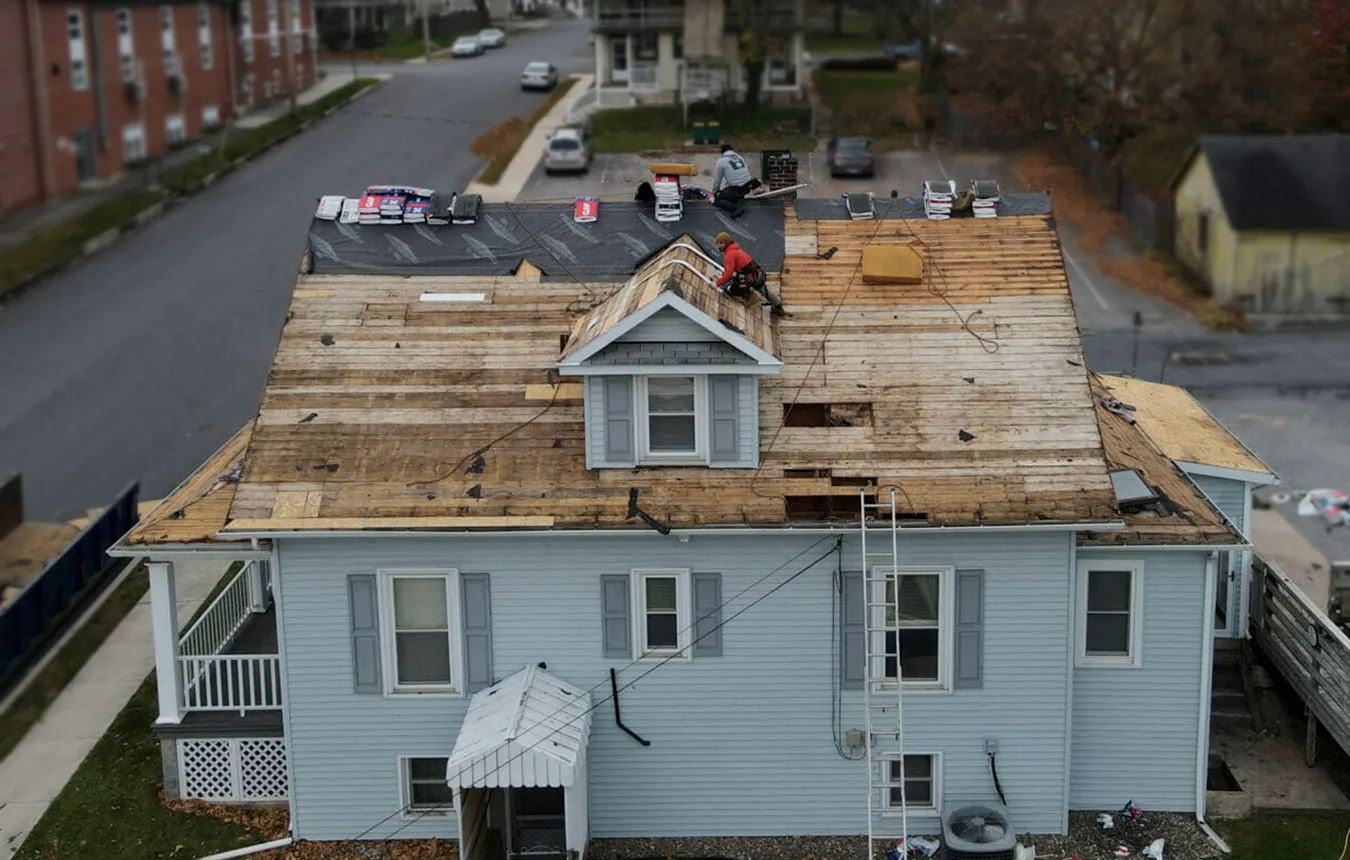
(1152, 220)
(1310, 652)
(58, 594)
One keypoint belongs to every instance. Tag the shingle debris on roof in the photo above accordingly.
(1299, 182)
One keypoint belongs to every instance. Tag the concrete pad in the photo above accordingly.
(1271, 772)
(1276, 540)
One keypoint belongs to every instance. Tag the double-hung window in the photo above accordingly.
(1110, 614)
(246, 29)
(425, 792)
(663, 613)
(916, 786)
(273, 29)
(420, 624)
(912, 616)
(79, 57)
(671, 425)
(126, 46)
(167, 40)
(204, 35)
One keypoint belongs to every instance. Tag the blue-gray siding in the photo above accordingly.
(669, 352)
(747, 405)
(668, 325)
(742, 743)
(1229, 496)
(1135, 730)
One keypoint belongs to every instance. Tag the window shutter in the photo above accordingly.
(365, 634)
(708, 615)
(477, 600)
(615, 611)
(852, 612)
(969, 629)
(619, 419)
(725, 418)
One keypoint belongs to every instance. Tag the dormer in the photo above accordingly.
(671, 366)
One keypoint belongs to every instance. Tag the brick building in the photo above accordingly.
(109, 85)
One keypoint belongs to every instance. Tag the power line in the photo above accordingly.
(677, 654)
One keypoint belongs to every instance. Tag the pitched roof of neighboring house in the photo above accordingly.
(966, 392)
(1181, 513)
(1266, 182)
(1182, 429)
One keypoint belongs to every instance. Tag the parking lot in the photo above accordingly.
(616, 177)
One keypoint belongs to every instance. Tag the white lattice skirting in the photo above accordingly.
(244, 770)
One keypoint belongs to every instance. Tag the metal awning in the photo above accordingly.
(528, 730)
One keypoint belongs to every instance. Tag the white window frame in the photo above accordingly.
(273, 28)
(297, 27)
(126, 44)
(684, 613)
(204, 35)
(175, 121)
(406, 810)
(168, 39)
(246, 30)
(1135, 658)
(389, 636)
(912, 809)
(76, 37)
(946, 626)
(139, 135)
(700, 452)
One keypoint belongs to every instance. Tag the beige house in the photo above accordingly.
(1266, 222)
(666, 51)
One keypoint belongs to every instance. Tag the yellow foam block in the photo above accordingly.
(674, 168)
(892, 264)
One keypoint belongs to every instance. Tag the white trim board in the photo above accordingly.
(1261, 478)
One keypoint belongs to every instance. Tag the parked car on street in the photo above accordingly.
(851, 156)
(914, 50)
(539, 76)
(568, 148)
(466, 46)
(492, 37)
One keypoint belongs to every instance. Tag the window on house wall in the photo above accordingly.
(273, 29)
(167, 39)
(126, 46)
(646, 46)
(916, 786)
(425, 791)
(133, 143)
(917, 636)
(204, 34)
(246, 29)
(1202, 240)
(296, 26)
(79, 59)
(211, 117)
(175, 129)
(1110, 614)
(671, 415)
(677, 46)
(420, 612)
(663, 613)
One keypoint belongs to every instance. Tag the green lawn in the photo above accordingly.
(659, 128)
(876, 104)
(403, 44)
(1287, 836)
(859, 34)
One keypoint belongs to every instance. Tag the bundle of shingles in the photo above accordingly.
(400, 204)
(394, 204)
(938, 197)
(669, 199)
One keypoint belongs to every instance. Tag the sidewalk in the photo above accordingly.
(1276, 540)
(35, 772)
(518, 172)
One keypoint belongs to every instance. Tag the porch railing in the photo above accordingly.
(231, 682)
(222, 620)
(640, 18)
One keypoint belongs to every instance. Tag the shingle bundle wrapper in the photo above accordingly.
(439, 206)
(465, 209)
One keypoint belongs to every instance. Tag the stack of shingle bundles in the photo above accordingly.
(330, 207)
(351, 211)
(391, 206)
(669, 201)
(368, 210)
(465, 209)
(938, 197)
(415, 208)
(439, 206)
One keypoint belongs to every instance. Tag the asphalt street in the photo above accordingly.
(139, 363)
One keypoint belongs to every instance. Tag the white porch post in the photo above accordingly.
(164, 618)
(575, 810)
(257, 595)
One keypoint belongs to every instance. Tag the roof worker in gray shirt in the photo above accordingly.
(731, 182)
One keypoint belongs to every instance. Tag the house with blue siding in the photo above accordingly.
(539, 561)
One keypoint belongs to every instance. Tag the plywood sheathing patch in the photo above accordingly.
(198, 508)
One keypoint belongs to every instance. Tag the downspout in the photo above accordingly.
(1206, 683)
(618, 717)
(96, 62)
(252, 849)
(41, 106)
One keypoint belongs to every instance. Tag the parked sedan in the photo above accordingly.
(539, 76)
(492, 38)
(851, 156)
(568, 149)
(466, 46)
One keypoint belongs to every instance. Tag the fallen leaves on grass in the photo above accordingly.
(1160, 276)
(1073, 197)
(268, 823)
(502, 138)
(394, 849)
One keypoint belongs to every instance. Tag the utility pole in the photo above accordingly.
(287, 36)
(426, 31)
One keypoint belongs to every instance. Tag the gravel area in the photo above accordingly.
(1088, 841)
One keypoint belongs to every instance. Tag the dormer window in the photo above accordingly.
(671, 423)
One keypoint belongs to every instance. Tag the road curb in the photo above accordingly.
(530, 148)
(115, 234)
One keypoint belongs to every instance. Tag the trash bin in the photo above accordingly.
(714, 131)
(700, 133)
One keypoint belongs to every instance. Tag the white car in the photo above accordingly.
(466, 46)
(539, 76)
(492, 38)
(568, 149)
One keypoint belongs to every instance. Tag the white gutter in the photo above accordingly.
(252, 849)
(1171, 547)
(235, 551)
(1206, 682)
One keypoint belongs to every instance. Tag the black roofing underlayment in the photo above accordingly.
(544, 234)
(835, 209)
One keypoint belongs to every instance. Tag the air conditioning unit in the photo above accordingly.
(978, 831)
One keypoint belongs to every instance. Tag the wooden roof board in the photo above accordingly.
(1192, 520)
(200, 506)
(1180, 427)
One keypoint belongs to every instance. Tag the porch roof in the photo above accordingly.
(526, 731)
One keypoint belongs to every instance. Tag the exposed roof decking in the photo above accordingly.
(1180, 427)
(200, 506)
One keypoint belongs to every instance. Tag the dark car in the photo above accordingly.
(851, 156)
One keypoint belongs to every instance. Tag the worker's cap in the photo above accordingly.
(724, 238)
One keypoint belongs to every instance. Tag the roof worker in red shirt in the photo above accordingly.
(741, 274)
